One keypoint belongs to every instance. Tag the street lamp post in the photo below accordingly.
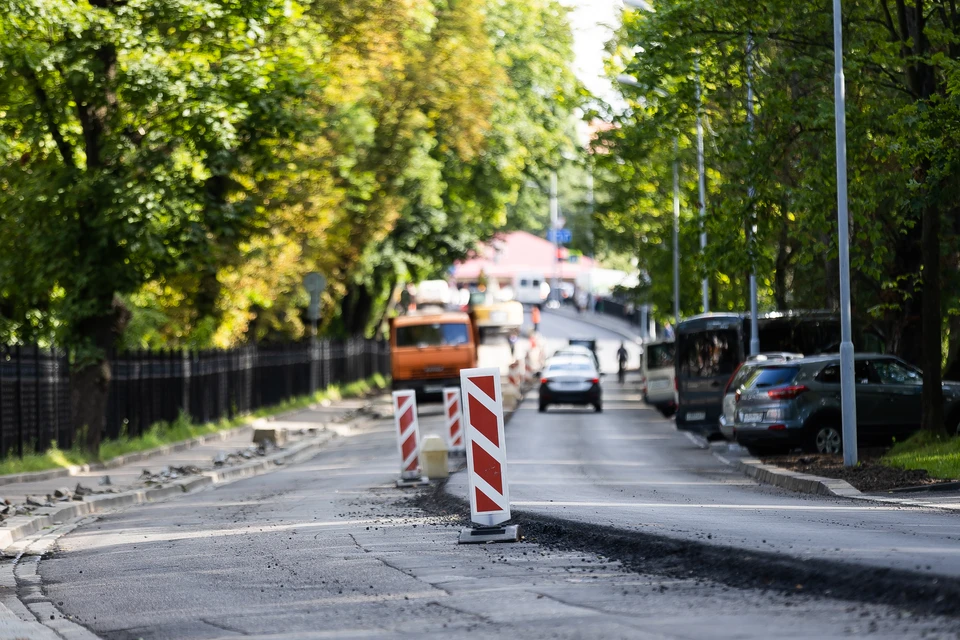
(754, 330)
(703, 188)
(676, 231)
(847, 388)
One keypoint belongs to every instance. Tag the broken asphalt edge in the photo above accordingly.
(18, 527)
(737, 567)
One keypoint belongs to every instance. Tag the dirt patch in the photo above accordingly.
(868, 476)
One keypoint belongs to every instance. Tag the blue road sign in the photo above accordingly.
(560, 236)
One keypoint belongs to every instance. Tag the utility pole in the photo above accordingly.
(703, 188)
(847, 389)
(555, 225)
(752, 224)
(676, 232)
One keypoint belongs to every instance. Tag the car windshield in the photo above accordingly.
(766, 377)
(566, 367)
(433, 335)
(660, 356)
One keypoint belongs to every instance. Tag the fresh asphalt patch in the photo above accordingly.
(659, 555)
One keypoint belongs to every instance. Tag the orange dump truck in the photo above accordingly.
(427, 351)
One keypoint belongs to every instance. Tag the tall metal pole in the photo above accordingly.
(752, 226)
(676, 231)
(847, 383)
(703, 189)
(555, 225)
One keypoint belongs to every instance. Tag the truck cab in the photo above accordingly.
(429, 350)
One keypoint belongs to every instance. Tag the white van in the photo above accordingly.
(530, 288)
(659, 388)
(433, 292)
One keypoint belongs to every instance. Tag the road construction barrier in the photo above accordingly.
(486, 457)
(408, 437)
(454, 419)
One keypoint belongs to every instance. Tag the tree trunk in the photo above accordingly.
(88, 400)
(932, 323)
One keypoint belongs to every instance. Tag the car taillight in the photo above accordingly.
(595, 380)
(777, 427)
(543, 381)
(787, 393)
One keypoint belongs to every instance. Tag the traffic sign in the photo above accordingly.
(486, 457)
(315, 285)
(408, 437)
(454, 417)
(560, 236)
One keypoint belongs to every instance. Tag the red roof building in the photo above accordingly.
(519, 252)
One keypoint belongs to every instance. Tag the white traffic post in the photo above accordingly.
(408, 438)
(486, 457)
(454, 418)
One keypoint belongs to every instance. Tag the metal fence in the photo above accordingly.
(149, 386)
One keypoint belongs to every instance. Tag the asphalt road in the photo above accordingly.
(329, 548)
(631, 469)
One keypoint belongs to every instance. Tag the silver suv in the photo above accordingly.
(797, 404)
(737, 380)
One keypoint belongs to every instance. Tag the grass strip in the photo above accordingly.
(162, 433)
(939, 456)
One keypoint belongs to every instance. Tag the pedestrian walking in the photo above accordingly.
(535, 316)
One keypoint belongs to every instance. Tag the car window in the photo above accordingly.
(829, 375)
(892, 372)
(766, 377)
(660, 356)
(708, 354)
(742, 374)
(862, 371)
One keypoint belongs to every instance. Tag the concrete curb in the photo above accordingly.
(800, 482)
(19, 527)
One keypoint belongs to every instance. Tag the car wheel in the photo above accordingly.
(543, 407)
(598, 408)
(827, 439)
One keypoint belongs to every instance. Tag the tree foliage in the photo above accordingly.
(901, 65)
(172, 169)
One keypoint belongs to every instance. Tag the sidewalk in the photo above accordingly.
(610, 323)
(222, 457)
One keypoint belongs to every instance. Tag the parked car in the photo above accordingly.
(577, 350)
(658, 381)
(739, 377)
(570, 380)
(797, 404)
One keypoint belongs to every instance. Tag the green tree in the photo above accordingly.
(135, 136)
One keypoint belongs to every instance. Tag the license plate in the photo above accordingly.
(433, 389)
(696, 415)
(659, 384)
(567, 386)
(752, 417)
